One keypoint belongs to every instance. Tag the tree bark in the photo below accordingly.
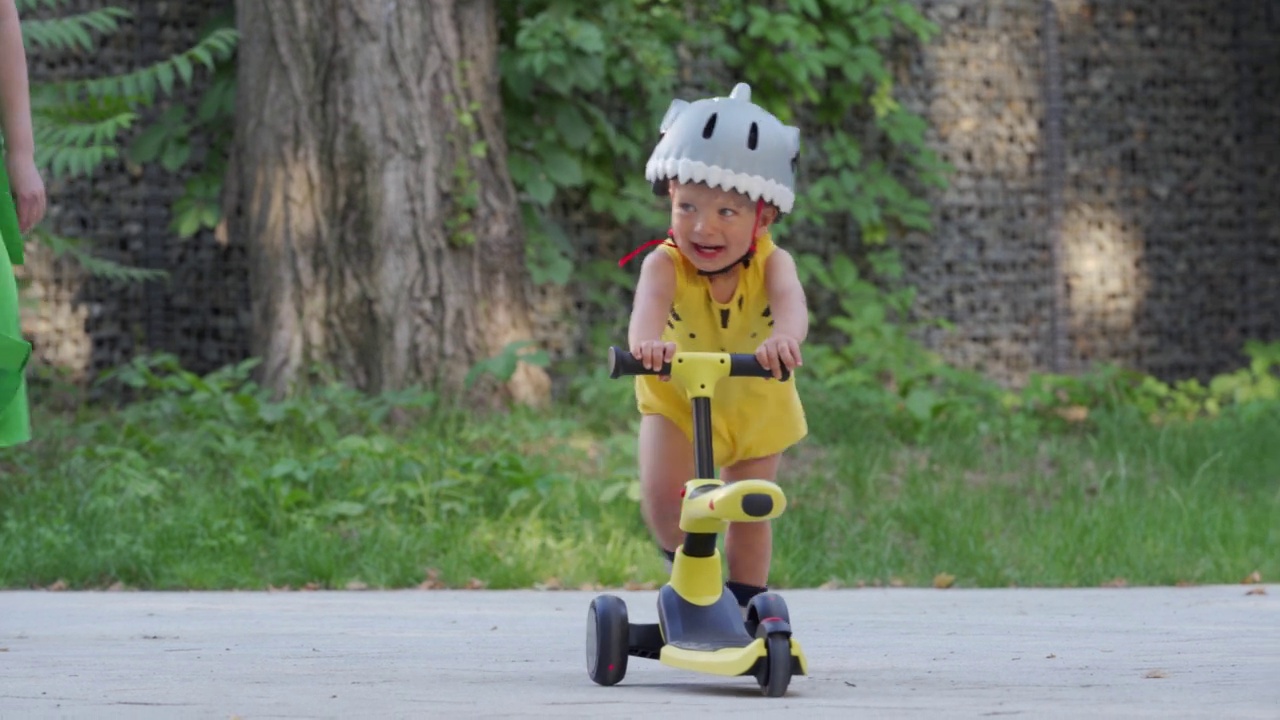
(370, 182)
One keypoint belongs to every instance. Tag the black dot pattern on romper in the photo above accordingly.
(724, 318)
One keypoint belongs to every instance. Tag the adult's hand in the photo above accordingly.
(28, 190)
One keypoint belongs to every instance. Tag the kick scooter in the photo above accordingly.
(700, 626)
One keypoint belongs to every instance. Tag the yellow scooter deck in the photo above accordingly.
(729, 661)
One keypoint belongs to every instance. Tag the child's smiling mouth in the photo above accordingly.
(707, 251)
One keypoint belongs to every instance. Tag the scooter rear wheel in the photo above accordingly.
(607, 638)
(776, 670)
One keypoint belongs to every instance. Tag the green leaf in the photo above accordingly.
(147, 145)
(563, 168)
(175, 155)
(540, 189)
(573, 126)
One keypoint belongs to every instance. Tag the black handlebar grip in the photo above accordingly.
(622, 362)
(744, 365)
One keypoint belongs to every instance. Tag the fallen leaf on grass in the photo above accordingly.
(476, 584)
(633, 585)
(1116, 583)
(943, 581)
(831, 584)
(1256, 591)
(551, 583)
(57, 586)
(1156, 674)
(1073, 413)
(897, 582)
(1253, 578)
(357, 585)
(432, 582)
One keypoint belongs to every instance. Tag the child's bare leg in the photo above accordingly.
(749, 546)
(666, 464)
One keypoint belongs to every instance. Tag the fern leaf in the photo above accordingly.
(72, 32)
(76, 148)
(96, 266)
(141, 85)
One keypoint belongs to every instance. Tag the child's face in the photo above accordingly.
(713, 226)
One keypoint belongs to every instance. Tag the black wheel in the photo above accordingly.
(775, 674)
(607, 637)
(765, 605)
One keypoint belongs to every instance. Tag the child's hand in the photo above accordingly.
(777, 352)
(653, 354)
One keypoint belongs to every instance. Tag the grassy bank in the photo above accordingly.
(207, 484)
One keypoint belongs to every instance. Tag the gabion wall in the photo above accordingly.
(1145, 144)
(1135, 136)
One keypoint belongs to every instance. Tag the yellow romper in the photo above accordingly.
(750, 417)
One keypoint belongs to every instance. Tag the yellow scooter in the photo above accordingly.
(700, 626)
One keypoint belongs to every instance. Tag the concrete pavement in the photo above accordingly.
(883, 653)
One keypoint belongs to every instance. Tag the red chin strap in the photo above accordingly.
(668, 240)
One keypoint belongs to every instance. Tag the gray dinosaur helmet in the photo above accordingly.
(729, 143)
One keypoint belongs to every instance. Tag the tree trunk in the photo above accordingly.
(370, 182)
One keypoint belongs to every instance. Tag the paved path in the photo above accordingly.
(1211, 652)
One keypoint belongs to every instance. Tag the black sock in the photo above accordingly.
(671, 554)
(743, 592)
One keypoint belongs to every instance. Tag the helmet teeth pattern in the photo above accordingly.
(692, 171)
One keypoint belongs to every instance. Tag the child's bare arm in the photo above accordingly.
(655, 290)
(790, 313)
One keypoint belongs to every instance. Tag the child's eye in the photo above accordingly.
(728, 212)
(686, 207)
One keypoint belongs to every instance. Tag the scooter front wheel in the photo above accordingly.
(775, 673)
(607, 638)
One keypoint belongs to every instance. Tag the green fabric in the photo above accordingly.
(15, 421)
(9, 217)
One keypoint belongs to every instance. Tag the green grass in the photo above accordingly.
(205, 484)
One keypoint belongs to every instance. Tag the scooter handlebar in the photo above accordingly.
(622, 362)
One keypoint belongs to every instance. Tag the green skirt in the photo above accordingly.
(15, 421)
